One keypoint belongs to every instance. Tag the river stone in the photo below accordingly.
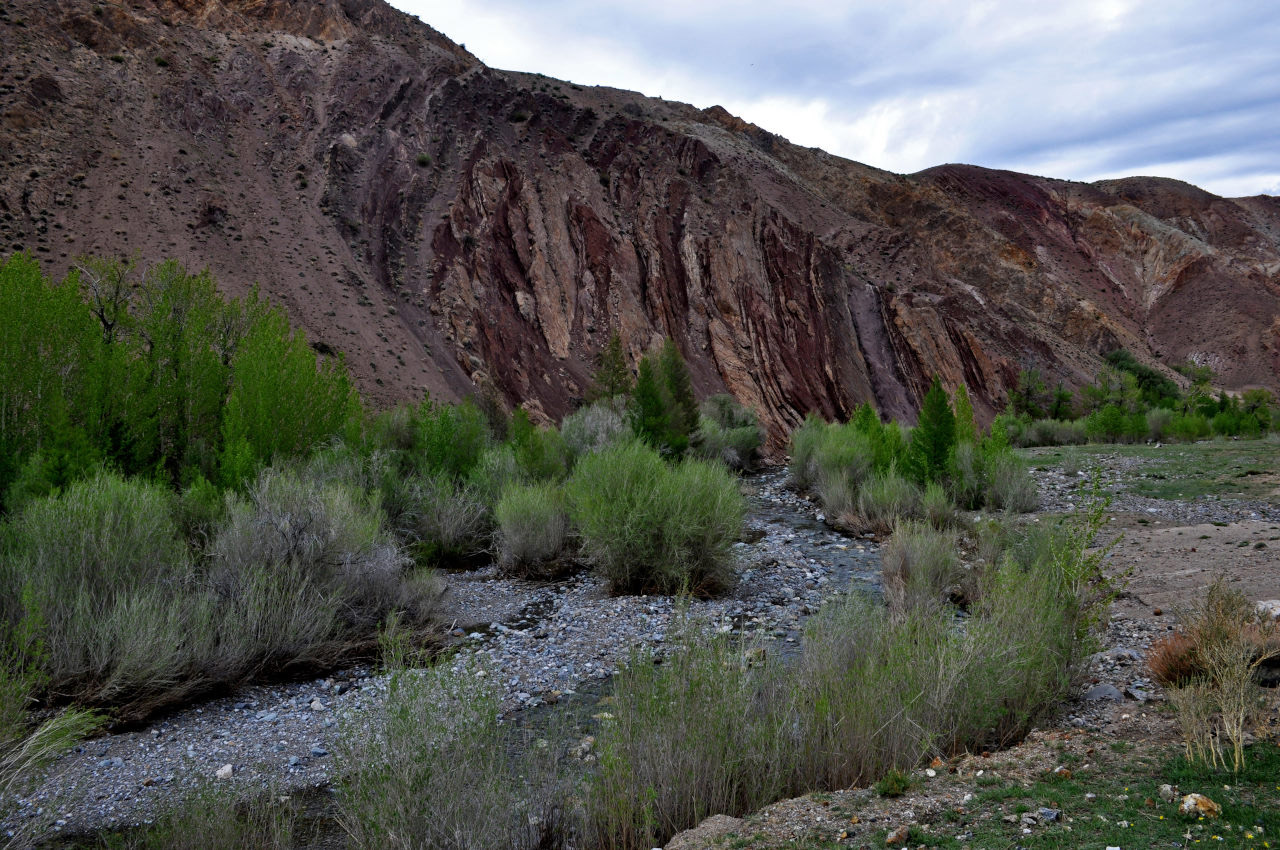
(1104, 691)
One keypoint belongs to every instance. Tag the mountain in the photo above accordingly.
(447, 226)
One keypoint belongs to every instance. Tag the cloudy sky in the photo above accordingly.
(1082, 90)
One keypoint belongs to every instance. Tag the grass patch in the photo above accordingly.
(1217, 468)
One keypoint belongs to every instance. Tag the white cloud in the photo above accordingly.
(1079, 90)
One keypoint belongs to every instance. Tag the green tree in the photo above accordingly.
(966, 425)
(1030, 397)
(934, 436)
(50, 352)
(1063, 404)
(612, 378)
(682, 406)
(649, 409)
(184, 337)
(284, 399)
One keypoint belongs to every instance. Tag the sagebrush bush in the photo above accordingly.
(884, 499)
(649, 526)
(936, 506)
(1009, 486)
(294, 575)
(805, 442)
(728, 432)
(533, 527)
(594, 427)
(447, 521)
(921, 567)
(439, 770)
(703, 733)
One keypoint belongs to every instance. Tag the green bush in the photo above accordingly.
(594, 428)
(805, 442)
(885, 499)
(541, 452)
(728, 432)
(1158, 421)
(439, 769)
(703, 733)
(921, 567)
(533, 526)
(646, 526)
(1009, 486)
(497, 469)
(1189, 428)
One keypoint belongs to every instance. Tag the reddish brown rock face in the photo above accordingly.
(443, 223)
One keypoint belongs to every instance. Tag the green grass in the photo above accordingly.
(1125, 790)
(1250, 803)
(1229, 469)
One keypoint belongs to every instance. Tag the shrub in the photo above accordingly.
(968, 477)
(805, 442)
(593, 428)
(447, 522)
(885, 499)
(81, 558)
(1189, 428)
(647, 526)
(330, 535)
(533, 526)
(405, 788)
(423, 160)
(540, 452)
(1158, 421)
(1226, 640)
(1009, 486)
(936, 506)
(921, 568)
(703, 733)
(728, 432)
(895, 783)
(496, 470)
(296, 574)
(213, 818)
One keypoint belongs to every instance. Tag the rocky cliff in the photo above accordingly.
(444, 224)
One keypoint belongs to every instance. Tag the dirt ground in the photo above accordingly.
(1172, 564)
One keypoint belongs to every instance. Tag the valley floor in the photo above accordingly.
(560, 642)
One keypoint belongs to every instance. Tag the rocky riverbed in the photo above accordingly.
(547, 640)
(561, 641)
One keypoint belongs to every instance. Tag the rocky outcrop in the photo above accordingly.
(446, 225)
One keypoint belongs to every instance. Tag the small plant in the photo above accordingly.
(652, 527)
(518, 116)
(920, 567)
(162, 62)
(1218, 700)
(895, 783)
(533, 527)
(423, 160)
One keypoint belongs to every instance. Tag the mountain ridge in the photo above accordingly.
(451, 227)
